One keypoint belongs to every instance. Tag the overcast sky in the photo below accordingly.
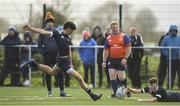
(17, 11)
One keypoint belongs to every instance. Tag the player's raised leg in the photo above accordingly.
(41, 67)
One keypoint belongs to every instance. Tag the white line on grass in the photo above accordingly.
(32, 98)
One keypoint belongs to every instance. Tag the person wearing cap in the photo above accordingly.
(87, 56)
(158, 92)
(11, 62)
(25, 56)
(47, 48)
(173, 40)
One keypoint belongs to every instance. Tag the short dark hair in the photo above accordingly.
(153, 80)
(69, 24)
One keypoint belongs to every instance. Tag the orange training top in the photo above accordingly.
(117, 45)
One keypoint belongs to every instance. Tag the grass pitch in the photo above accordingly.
(37, 96)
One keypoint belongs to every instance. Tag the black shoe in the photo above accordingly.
(95, 97)
(27, 64)
(63, 94)
(128, 94)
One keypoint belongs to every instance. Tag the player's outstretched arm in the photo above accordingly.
(36, 30)
(134, 90)
(148, 100)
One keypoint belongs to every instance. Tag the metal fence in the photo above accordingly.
(96, 51)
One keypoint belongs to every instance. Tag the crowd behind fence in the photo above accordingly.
(96, 50)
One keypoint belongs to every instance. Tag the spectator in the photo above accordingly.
(88, 56)
(25, 55)
(172, 40)
(97, 35)
(47, 48)
(107, 33)
(134, 60)
(162, 69)
(11, 63)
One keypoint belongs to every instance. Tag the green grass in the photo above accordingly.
(37, 96)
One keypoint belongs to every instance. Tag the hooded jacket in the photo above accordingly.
(87, 54)
(25, 50)
(11, 52)
(171, 41)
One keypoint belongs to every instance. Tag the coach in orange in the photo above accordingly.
(118, 47)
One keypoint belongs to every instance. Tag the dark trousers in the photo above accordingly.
(162, 70)
(11, 67)
(100, 71)
(134, 71)
(88, 67)
(175, 68)
(66, 80)
(50, 60)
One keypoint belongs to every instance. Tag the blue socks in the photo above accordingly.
(114, 85)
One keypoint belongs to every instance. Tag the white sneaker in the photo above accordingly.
(26, 83)
(49, 94)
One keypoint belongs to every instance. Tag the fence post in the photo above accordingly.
(120, 16)
(95, 66)
(147, 68)
(169, 74)
(29, 47)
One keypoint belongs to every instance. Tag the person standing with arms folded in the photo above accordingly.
(134, 60)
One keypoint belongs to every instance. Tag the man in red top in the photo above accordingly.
(118, 47)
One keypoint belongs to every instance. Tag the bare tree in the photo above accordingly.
(102, 15)
(146, 22)
(3, 25)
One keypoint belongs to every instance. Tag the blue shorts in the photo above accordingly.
(115, 63)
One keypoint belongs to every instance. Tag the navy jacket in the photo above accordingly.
(25, 50)
(11, 52)
(47, 45)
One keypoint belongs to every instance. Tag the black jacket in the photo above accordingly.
(25, 50)
(100, 40)
(46, 45)
(135, 42)
(11, 52)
